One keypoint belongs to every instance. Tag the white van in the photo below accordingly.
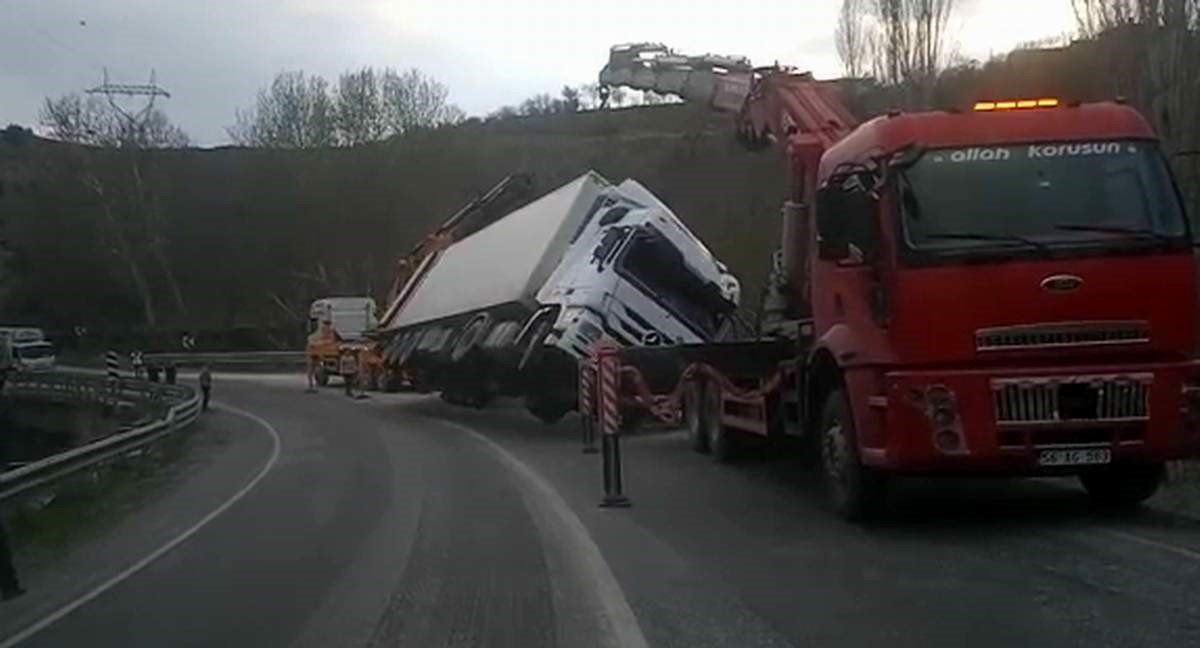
(26, 349)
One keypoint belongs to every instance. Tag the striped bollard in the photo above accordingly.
(608, 367)
(587, 402)
(112, 365)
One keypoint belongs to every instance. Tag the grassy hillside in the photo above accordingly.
(250, 236)
(216, 240)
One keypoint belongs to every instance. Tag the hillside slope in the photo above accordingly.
(249, 236)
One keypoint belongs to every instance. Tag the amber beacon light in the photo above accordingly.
(1015, 104)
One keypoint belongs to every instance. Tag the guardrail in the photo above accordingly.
(229, 358)
(183, 407)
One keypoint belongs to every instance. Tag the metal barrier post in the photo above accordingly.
(609, 369)
(587, 405)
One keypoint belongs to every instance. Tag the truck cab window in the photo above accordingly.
(1039, 196)
(655, 266)
(608, 245)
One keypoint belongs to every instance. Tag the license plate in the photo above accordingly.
(1075, 457)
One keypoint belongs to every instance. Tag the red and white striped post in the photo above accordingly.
(587, 404)
(608, 365)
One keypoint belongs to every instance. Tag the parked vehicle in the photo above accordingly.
(1005, 289)
(27, 349)
(337, 324)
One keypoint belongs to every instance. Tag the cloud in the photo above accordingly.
(213, 55)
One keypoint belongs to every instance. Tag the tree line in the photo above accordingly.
(131, 232)
(365, 105)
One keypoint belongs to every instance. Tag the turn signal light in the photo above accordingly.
(1015, 104)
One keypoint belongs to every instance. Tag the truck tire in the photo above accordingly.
(854, 491)
(1122, 486)
(547, 410)
(320, 375)
(693, 414)
(470, 336)
(722, 442)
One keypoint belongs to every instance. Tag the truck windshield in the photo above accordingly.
(655, 265)
(1040, 196)
(35, 351)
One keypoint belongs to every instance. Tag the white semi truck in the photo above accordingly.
(26, 348)
(510, 309)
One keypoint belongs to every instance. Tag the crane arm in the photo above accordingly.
(773, 104)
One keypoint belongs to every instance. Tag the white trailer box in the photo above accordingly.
(505, 262)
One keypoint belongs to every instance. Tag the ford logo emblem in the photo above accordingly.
(1061, 283)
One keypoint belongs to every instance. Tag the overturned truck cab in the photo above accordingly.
(512, 308)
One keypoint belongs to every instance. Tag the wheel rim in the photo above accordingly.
(539, 334)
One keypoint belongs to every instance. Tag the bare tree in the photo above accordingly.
(361, 115)
(132, 221)
(911, 48)
(1094, 17)
(90, 120)
(299, 111)
(853, 38)
(296, 111)
(415, 101)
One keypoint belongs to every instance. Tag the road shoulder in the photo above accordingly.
(88, 535)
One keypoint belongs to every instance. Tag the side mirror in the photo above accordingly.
(845, 218)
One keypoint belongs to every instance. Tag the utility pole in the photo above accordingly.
(135, 122)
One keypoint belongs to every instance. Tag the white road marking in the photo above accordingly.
(138, 566)
(1142, 540)
(623, 623)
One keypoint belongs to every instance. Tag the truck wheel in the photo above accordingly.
(547, 410)
(721, 441)
(470, 336)
(1122, 486)
(693, 413)
(854, 491)
(321, 376)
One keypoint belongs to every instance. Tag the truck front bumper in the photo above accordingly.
(1004, 420)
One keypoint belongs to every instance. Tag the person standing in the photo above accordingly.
(349, 370)
(311, 365)
(138, 363)
(170, 372)
(205, 387)
(10, 585)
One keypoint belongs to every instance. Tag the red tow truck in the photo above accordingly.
(1004, 289)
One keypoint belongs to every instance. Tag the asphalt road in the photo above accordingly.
(400, 520)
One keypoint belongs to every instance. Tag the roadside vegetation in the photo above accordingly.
(331, 181)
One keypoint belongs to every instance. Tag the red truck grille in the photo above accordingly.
(1109, 398)
(1067, 334)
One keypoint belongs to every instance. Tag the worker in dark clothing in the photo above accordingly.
(152, 371)
(10, 585)
(348, 367)
(170, 372)
(205, 386)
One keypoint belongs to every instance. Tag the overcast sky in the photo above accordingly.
(212, 55)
